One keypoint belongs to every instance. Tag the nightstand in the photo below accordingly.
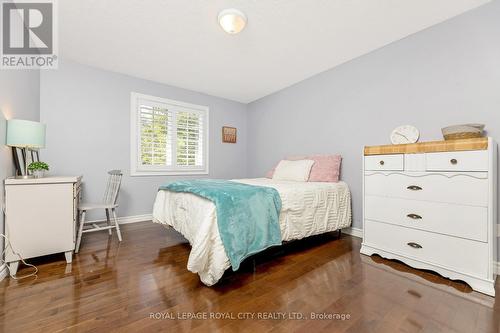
(41, 217)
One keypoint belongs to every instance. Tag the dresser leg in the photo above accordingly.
(69, 256)
(13, 266)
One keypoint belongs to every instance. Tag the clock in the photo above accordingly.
(405, 134)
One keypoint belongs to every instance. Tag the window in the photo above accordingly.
(168, 137)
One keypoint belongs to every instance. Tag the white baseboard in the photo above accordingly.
(129, 219)
(3, 272)
(356, 232)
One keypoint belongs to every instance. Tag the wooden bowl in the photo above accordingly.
(465, 131)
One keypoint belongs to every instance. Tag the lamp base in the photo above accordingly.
(25, 177)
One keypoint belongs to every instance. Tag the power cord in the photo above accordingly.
(6, 246)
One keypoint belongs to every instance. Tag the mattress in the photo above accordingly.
(308, 208)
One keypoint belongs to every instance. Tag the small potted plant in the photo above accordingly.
(38, 169)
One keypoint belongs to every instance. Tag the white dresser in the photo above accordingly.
(40, 217)
(432, 205)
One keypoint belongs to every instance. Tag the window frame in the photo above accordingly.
(136, 169)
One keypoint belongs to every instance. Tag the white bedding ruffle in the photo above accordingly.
(308, 208)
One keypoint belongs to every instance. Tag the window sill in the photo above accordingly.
(168, 173)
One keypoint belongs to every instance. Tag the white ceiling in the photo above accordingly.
(179, 42)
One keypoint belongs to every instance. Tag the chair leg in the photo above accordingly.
(116, 225)
(108, 221)
(80, 232)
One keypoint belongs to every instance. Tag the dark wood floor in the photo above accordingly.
(117, 287)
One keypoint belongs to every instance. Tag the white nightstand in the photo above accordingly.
(41, 217)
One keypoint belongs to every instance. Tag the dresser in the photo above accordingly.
(432, 205)
(40, 217)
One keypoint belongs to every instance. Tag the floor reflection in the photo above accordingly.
(429, 279)
(118, 286)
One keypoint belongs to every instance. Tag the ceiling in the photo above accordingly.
(180, 43)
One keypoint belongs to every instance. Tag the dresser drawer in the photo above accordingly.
(457, 189)
(457, 161)
(469, 222)
(384, 162)
(458, 254)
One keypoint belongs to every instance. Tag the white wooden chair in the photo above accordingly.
(108, 204)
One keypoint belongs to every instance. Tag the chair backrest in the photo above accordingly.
(112, 187)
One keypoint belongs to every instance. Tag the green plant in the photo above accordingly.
(38, 166)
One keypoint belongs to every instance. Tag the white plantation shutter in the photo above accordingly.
(168, 137)
(156, 136)
(189, 139)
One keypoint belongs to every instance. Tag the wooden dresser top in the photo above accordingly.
(429, 147)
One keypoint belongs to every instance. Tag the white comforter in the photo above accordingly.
(308, 208)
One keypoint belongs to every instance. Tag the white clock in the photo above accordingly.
(405, 134)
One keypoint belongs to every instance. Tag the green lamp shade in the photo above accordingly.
(25, 134)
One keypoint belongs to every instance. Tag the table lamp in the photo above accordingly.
(26, 135)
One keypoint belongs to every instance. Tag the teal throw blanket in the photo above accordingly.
(247, 215)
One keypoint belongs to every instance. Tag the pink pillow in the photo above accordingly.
(326, 168)
(270, 173)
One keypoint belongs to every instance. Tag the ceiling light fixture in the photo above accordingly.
(232, 20)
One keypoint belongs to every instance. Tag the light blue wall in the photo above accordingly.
(87, 112)
(447, 74)
(19, 98)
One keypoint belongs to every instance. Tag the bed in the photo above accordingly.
(307, 209)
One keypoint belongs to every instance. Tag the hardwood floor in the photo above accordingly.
(112, 287)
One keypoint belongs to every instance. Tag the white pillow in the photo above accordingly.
(293, 170)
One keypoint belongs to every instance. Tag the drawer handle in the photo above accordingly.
(453, 161)
(414, 188)
(381, 162)
(414, 216)
(414, 245)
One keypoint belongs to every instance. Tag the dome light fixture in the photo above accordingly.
(232, 20)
